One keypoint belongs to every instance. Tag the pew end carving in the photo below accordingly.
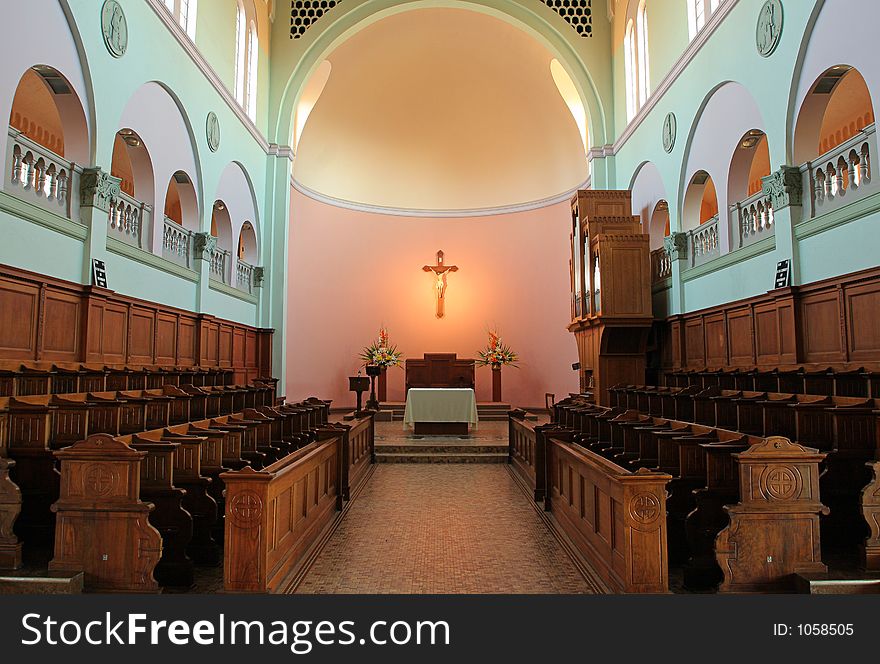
(774, 529)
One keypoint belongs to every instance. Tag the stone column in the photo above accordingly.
(98, 192)
(784, 188)
(204, 245)
(676, 246)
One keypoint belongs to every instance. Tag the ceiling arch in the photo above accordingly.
(440, 109)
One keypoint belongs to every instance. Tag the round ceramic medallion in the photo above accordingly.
(670, 127)
(212, 131)
(115, 28)
(769, 28)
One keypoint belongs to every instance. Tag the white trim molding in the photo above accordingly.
(211, 75)
(443, 214)
(672, 75)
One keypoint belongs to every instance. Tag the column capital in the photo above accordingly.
(204, 245)
(259, 277)
(676, 246)
(98, 188)
(784, 187)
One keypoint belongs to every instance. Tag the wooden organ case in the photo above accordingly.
(611, 291)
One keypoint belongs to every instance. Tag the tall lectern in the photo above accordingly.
(611, 290)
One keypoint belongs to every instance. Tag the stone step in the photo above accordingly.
(439, 448)
(823, 585)
(452, 457)
(61, 584)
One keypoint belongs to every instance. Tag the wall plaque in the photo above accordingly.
(769, 28)
(670, 126)
(212, 131)
(115, 28)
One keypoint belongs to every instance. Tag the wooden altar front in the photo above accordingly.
(440, 370)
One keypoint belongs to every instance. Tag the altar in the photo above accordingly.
(440, 411)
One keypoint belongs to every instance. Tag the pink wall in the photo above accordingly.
(350, 272)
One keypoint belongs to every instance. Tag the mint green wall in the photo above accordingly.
(215, 37)
(155, 55)
(38, 249)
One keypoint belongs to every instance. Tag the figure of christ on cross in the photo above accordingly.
(440, 271)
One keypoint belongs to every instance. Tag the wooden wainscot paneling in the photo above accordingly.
(616, 518)
(166, 339)
(187, 336)
(741, 337)
(862, 309)
(694, 343)
(142, 335)
(61, 327)
(774, 529)
(53, 321)
(19, 308)
(822, 333)
(716, 340)
(114, 333)
(274, 515)
(224, 356)
(830, 322)
(767, 342)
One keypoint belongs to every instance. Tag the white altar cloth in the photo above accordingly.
(452, 404)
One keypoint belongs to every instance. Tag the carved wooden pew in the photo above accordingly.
(10, 499)
(103, 528)
(275, 515)
(173, 522)
(615, 516)
(774, 529)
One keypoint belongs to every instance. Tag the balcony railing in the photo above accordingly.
(753, 218)
(129, 220)
(220, 260)
(840, 175)
(244, 277)
(661, 265)
(39, 176)
(703, 242)
(177, 243)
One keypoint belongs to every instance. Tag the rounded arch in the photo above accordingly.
(820, 50)
(47, 110)
(182, 202)
(61, 49)
(536, 21)
(247, 244)
(749, 163)
(221, 225)
(726, 114)
(660, 225)
(648, 190)
(133, 164)
(837, 106)
(235, 188)
(700, 201)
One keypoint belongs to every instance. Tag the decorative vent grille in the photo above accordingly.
(577, 12)
(305, 12)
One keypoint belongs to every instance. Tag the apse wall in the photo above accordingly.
(350, 272)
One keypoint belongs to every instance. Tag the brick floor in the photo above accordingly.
(442, 529)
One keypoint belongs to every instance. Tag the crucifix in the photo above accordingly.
(440, 271)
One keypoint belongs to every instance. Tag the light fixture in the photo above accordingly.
(218, 205)
(752, 138)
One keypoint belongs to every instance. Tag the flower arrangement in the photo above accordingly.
(496, 354)
(382, 352)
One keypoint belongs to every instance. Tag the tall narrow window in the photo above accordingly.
(240, 23)
(187, 18)
(629, 70)
(253, 55)
(642, 32)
